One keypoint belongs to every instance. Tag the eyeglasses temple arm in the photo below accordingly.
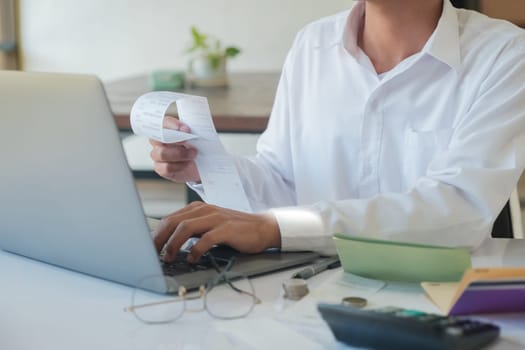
(134, 307)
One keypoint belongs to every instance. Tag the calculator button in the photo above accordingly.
(452, 322)
(454, 331)
(478, 328)
(387, 310)
(429, 318)
(410, 313)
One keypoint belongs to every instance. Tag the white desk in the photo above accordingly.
(44, 307)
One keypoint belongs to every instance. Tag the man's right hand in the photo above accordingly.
(175, 161)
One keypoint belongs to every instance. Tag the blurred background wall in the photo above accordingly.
(117, 38)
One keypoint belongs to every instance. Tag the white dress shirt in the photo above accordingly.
(427, 153)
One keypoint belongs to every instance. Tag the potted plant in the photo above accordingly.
(207, 65)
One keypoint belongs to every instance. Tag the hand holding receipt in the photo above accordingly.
(219, 176)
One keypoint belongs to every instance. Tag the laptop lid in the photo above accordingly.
(68, 195)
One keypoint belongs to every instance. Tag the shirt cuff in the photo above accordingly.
(303, 229)
(198, 188)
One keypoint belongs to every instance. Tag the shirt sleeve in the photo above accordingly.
(267, 178)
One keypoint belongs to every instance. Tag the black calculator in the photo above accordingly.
(397, 328)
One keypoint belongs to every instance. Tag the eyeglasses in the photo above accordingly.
(227, 295)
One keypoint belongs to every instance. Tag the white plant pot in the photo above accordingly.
(203, 73)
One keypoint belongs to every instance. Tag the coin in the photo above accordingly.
(357, 302)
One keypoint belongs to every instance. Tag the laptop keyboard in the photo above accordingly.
(180, 265)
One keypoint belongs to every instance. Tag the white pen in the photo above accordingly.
(318, 267)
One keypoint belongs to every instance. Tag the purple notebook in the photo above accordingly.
(500, 296)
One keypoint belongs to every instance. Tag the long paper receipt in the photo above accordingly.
(219, 176)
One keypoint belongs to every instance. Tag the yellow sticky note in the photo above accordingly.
(441, 293)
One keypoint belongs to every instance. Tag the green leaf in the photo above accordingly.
(201, 42)
(199, 39)
(231, 51)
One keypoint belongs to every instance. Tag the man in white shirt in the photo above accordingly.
(400, 120)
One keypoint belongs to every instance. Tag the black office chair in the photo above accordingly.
(467, 4)
(508, 223)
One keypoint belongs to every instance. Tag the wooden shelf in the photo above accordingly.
(244, 106)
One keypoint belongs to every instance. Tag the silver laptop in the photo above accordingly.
(68, 196)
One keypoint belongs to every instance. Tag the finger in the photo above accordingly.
(188, 228)
(205, 243)
(172, 153)
(154, 142)
(162, 233)
(172, 171)
(175, 124)
(196, 206)
(168, 224)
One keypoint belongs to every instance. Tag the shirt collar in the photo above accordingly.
(351, 30)
(442, 45)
